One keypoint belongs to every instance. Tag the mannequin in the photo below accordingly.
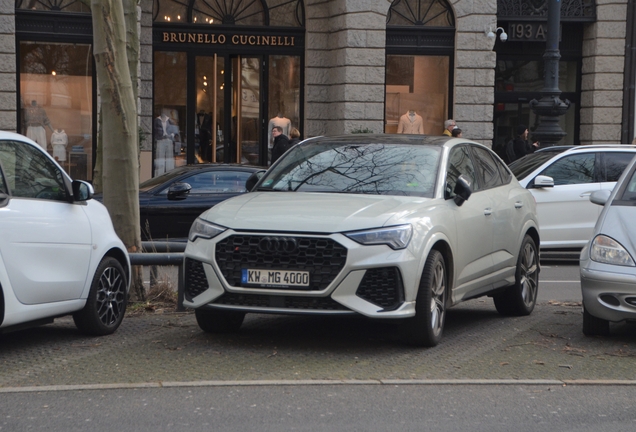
(164, 146)
(281, 121)
(35, 119)
(59, 141)
(411, 123)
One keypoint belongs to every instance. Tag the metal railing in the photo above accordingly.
(163, 254)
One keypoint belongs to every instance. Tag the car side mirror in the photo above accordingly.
(600, 197)
(462, 190)
(82, 191)
(542, 181)
(179, 191)
(253, 179)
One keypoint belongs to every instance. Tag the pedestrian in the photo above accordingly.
(456, 133)
(634, 140)
(281, 143)
(519, 146)
(449, 125)
(294, 137)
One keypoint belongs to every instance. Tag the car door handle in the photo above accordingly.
(488, 211)
(518, 204)
(586, 194)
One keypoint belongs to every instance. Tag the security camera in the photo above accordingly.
(503, 36)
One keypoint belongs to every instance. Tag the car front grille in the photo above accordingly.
(382, 287)
(279, 302)
(195, 280)
(323, 258)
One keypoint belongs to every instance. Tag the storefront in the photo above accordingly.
(519, 74)
(223, 79)
(216, 76)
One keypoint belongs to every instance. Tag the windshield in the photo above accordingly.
(379, 169)
(629, 194)
(523, 167)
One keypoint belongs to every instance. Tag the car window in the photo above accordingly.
(29, 173)
(486, 168)
(459, 163)
(629, 194)
(573, 169)
(523, 167)
(615, 163)
(504, 172)
(217, 182)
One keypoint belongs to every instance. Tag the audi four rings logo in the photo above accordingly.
(278, 244)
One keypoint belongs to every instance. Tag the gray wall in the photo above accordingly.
(8, 89)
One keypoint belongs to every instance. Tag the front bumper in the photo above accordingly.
(608, 291)
(366, 283)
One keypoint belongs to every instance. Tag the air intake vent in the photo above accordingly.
(382, 287)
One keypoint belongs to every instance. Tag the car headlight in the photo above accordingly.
(396, 237)
(607, 250)
(204, 229)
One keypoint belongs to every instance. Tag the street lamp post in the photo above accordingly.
(550, 107)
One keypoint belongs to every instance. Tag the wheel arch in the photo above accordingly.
(1, 305)
(120, 256)
(444, 248)
(534, 234)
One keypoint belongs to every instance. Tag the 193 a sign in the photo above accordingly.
(529, 31)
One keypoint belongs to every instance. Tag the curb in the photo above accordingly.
(182, 384)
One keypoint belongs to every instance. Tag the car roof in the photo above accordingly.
(609, 147)
(390, 139)
(16, 136)
(216, 166)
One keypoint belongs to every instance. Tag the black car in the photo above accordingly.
(169, 203)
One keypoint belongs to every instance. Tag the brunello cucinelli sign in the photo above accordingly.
(226, 39)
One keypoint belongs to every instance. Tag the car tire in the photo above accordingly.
(218, 321)
(426, 327)
(593, 326)
(106, 303)
(520, 298)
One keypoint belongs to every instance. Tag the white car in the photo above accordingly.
(385, 226)
(561, 180)
(59, 253)
(608, 261)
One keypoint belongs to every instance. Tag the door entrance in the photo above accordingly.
(228, 109)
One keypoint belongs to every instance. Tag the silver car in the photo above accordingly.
(608, 269)
(392, 227)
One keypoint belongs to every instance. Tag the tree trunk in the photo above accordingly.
(119, 121)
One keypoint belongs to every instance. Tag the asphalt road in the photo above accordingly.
(457, 408)
(559, 281)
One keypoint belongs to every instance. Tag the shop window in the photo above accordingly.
(420, 46)
(417, 90)
(169, 124)
(527, 75)
(56, 102)
(284, 94)
(285, 13)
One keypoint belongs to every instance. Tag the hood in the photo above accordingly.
(312, 212)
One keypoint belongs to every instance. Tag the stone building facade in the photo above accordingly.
(339, 65)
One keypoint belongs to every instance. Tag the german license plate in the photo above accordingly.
(275, 278)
